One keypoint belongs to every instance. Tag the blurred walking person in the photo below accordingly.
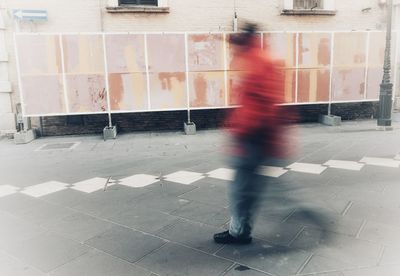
(256, 130)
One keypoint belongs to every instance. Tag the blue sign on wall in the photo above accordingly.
(30, 14)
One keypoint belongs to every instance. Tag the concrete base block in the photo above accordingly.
(330, 120)
(396, 104)
(24, 137)
(109, 133)
(384, 128)
(190, 128)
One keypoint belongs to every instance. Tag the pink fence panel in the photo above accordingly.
(85, 73)
(126, 67)
(40, 69)
(167, 67)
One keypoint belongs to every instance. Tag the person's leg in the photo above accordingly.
(244, 194)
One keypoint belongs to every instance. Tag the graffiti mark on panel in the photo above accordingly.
(128, 92)
(313, 85)
(207, 89)
(348, 83)
(168, 90)
(205, 52)
(314, 50)
(87, 93)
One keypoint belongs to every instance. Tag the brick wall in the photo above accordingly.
(173, 120)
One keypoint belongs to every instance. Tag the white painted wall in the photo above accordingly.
(7, 118)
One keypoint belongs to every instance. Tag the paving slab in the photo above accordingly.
(193, 234)
(211, 194)
(15, 229)
(161, 202)
(107, 203)
(99, 264)
(203, 213)
(173, 259)
(66, 198)
(336, 273)
(276, 233)
(381, 233)
(326, 220)
(390, 256)
(6, 190)
(46, 251)
(319, 264)
(242, 270)
(43, 213)
(17, 203)
(125, 243)
(338, 247)
(375, 212)
(277, 260)
(374, 271)
(170, 188)
(11, 266)
(78, 226)
(143, 219)
(46, 188)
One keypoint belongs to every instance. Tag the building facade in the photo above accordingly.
(168, 16)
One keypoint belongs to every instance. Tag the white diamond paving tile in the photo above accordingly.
(91, 185)
(222, 173)
(44, 188)
(138, 180)
(346, 165)
(384, 162)
(271, 171)
(184, 177)
(6, 190)
(307, 168)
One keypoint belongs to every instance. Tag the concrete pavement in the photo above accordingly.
(149, 203)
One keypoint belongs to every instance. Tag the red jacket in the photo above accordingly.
(259, 118)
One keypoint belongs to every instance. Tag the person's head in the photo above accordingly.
(246, 38)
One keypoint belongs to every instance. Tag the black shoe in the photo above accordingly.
(227, 238)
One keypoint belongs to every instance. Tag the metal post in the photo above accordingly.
(187, 78)
(107, 80)
(386, 87)
(331, 74)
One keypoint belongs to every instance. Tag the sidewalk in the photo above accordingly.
(149, 203)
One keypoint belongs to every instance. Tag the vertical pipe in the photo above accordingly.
(297, 68)
(107, 80)
(187, 76)
(331, 74)
(146, 57)
(396, 58)
(60, 40)
(19, 75)
(387, 65)
(225, 71)
(366, 64)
